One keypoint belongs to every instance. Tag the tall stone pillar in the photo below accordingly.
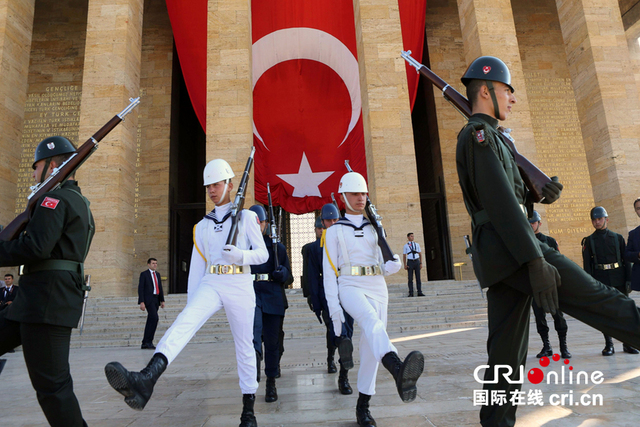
(229, 96)
(488, 29)
(16, 26)
(607, 100)
(111, 76)
(391, 162)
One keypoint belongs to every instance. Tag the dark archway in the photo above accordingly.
(437, 244)
(186, 194)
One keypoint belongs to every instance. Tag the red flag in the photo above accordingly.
(307, 108)
(412, 20)
(189, 24)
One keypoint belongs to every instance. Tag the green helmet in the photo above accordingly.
(598, 212)
(51, 147)
(488, 68)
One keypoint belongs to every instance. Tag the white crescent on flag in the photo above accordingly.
(315, 45)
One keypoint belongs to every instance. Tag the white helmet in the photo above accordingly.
(217, 170)
(352, 182)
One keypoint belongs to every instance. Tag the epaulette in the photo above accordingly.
(479, 136)
(584, 243)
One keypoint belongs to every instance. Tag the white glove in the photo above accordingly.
(338, 319)
(392, 267)
(232, 255)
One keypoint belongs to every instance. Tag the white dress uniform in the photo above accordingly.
(209, 292)
(365, 298)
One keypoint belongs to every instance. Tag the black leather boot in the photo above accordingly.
(608, 349)
(331, 366)
(248, 418)
(546, 347)
(343, 382)
(345, 351)
(363, 416)
(258, 360)
(564, 350)
(405, 373)
(271, 393)
(628, 349)
(136, 387)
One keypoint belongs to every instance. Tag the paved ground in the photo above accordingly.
(201, 388)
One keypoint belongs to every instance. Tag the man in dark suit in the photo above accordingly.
(150, 297)
(632, 251)
(8, 294)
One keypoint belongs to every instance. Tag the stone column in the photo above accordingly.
(111, 76)
(229, 97)
(391, 162)
(16, 26)
(607, 100)
(488, 29)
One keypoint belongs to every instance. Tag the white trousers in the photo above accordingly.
(371, 315)
(239, 301)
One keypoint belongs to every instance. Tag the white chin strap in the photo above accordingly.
(346, 202)
(224, 192)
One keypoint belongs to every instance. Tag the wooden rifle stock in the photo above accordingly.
(374, 218)
(533, 177)
(63, 172)
(238, 202)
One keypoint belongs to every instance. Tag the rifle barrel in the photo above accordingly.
(533, 177)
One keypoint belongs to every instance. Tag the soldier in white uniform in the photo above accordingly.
(353, 270)
(219, 276)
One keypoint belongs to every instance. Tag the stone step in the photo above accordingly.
(117, 321)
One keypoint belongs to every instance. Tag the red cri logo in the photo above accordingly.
(486, 69)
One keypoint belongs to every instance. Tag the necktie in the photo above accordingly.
(156, 291)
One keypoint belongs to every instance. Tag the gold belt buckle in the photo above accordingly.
(368, 271)
(355, 271)
(226, 269)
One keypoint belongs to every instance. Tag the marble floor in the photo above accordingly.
(201, 387)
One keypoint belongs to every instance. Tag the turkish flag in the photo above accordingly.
(307, 108)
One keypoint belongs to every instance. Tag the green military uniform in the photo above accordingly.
(602, 258)
(52, 249)
(503, 244)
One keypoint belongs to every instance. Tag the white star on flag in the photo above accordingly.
(305, 182)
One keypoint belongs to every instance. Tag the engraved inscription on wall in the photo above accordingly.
(56, 111)
(560, 152)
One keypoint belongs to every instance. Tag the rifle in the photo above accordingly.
(238, 202)
(374, 218)
(279, 233)
(272, 221)
(533, 177)
(335, 203)
(62, 173)
(468, 245)
(87, 288)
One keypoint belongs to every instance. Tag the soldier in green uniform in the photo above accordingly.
(603, 258)
(507, 257)
(52, 250)
(558, 319)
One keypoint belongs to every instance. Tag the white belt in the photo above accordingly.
(369, 270)
(260, 277)
(225, 269)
